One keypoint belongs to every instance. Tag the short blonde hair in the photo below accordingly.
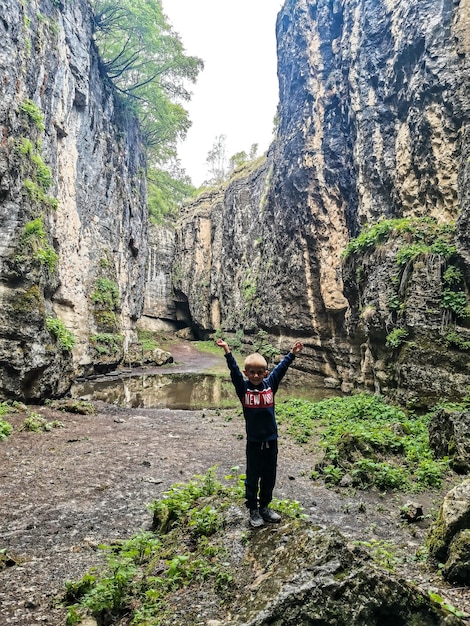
(255, 360)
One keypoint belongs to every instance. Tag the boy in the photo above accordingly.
(256, 393)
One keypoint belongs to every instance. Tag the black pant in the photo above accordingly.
(261, 465)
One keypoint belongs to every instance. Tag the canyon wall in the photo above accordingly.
(72, 203)
(373, 129)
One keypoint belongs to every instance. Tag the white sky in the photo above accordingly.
(236, 94)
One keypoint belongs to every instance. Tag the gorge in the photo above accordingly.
(372, 129)
(352, 234)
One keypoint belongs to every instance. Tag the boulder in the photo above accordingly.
(449, 435)
(310, 575)
(457, 568)
(452, 518)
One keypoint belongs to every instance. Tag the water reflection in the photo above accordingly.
(156, 391)
(176, 391)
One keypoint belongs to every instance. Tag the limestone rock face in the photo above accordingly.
(373, 125)
(72, 203)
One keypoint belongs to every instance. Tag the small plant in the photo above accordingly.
(396, 337)
(5, 429)
(452, 276)
(410, 252)
(456, 301)
(106, 293)
(428, 237)
(384, 553)
(33, 112)
(37, 423)
(43, 173)
(434, 597)
(34, 237)
(205, 521)
(65, 338)
(147, 340)
(453, 339)
(262, 346)
(107, 343)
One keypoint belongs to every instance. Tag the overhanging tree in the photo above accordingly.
(145, 60)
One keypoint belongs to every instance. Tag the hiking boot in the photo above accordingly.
(269, 516)
(256, 520)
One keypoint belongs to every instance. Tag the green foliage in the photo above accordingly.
(453, 339)
(37, 423)
(452, 275)
(40, 176)
(43, 173)
(108, 344)
(166, 193)
(65, 338)
(144, 574)
(147, 340)
(384, 553)
(106, 294)
(396, 337)
(435, 597)
(26, 147)
(33, 239)
(249, 289)
(37, 195)
(262, 345)
(33, 112)
(72, 405)
(374, 442)
(145, 60)
(5, 427)
(428, 237)
(410, 252)
(370, 237)
(456, 301)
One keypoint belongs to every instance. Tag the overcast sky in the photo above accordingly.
(237, 92)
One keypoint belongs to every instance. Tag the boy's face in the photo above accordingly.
(255, 374)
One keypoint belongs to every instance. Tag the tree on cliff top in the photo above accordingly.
(145, 60)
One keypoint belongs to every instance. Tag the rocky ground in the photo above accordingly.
(64, 492)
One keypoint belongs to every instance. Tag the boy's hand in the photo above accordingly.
(297, 347)
(223, 344)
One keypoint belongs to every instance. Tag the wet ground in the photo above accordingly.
(64, 492)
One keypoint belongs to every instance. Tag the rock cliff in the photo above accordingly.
(373, 130)
(72, 203)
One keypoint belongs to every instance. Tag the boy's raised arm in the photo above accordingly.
(223, 344)
(297, 347)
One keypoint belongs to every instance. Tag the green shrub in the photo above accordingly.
(428, 237)
(107, 343)
(452, 338)
(34, 237)
(147, 340)
(106, 294)
(5, 429)
(396, 337)
(376, 443)
(43, 173)
(65, 338)
(37, 423)
(33, 112)
(456, 301)
(452, 275)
